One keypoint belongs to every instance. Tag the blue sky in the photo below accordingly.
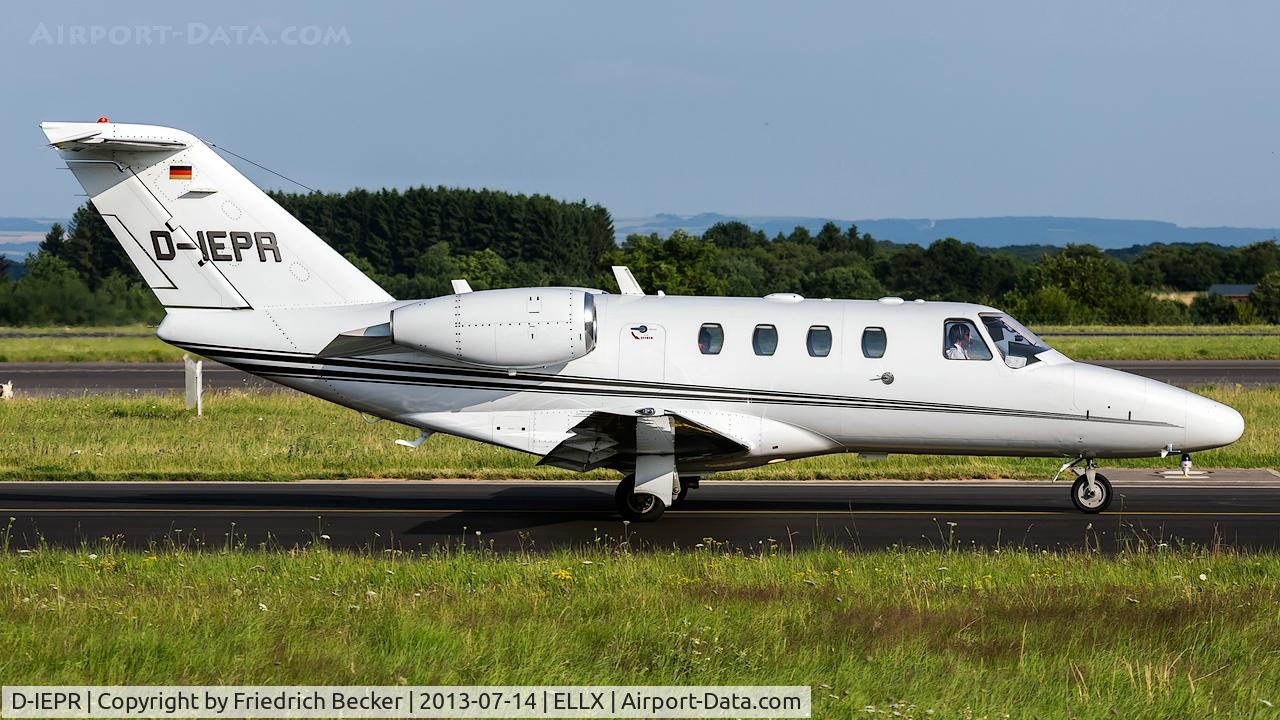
(1161, 110)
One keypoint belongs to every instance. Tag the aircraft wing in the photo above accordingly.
(605, 439)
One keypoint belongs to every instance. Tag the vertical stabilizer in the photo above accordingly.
(200, 233)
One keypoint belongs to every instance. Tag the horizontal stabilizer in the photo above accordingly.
(73, 136)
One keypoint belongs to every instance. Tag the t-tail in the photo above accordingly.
(200, 233)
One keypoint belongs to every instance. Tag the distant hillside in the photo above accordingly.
(26, 224)
(20, 236)
(989, 232)
(17, 248)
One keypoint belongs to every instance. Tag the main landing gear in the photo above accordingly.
(1091, 491)
(644, 507)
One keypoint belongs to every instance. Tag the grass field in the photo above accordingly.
(137, 343)
(1160, 329)
(10, 331)
(1154, 633)
(114, 343)
(277, 436)
(1206, 346)
(87, 349)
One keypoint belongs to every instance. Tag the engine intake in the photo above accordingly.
(513, 328)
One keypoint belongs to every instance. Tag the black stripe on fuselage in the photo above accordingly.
(266, 363)
(523, 378)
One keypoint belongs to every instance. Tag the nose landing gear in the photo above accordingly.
(1091, 491)
(1091, 494)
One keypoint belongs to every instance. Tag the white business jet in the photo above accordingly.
(663, 389)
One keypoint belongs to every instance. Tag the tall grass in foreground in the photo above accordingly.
(279, 436)
(1155, 634)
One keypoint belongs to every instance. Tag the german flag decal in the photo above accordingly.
(179, 172)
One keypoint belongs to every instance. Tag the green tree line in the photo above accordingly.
(413, 242)
(1077, 284)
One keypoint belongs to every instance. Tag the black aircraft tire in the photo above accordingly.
(634, 506)
(1091, 504)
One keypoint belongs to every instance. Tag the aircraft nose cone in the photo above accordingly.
(1211, 424)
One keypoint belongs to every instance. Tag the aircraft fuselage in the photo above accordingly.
(791, 403)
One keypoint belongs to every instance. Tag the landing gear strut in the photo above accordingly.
(686, 484)
(1091, 491)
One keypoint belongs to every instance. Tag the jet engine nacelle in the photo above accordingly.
(515, 328)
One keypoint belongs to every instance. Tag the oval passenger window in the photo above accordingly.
(710, 339)
(874, 342)
(765, 340)
(819, 341)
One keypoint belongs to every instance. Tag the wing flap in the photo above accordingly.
(605, 439)
(595, 441)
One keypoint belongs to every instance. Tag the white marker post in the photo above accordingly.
(195, 383)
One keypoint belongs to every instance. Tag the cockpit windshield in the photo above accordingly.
(1019, 346)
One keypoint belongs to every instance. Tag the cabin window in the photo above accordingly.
(765, 340)
(819, 341)
(874, 342)
(961, 341)
(710, 338)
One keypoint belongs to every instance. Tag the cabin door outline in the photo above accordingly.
(642, 352)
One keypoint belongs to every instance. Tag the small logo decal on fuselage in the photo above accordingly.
(219, 245)
(639, 332)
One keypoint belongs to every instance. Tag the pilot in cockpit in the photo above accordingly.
(958, 340)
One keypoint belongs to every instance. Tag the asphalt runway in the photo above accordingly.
(45, 379)
(94, 378)
(1233, 508)
(1187, 373)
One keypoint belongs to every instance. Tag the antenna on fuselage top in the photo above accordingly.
(627, 284)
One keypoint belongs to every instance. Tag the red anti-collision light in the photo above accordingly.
(103, 119)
